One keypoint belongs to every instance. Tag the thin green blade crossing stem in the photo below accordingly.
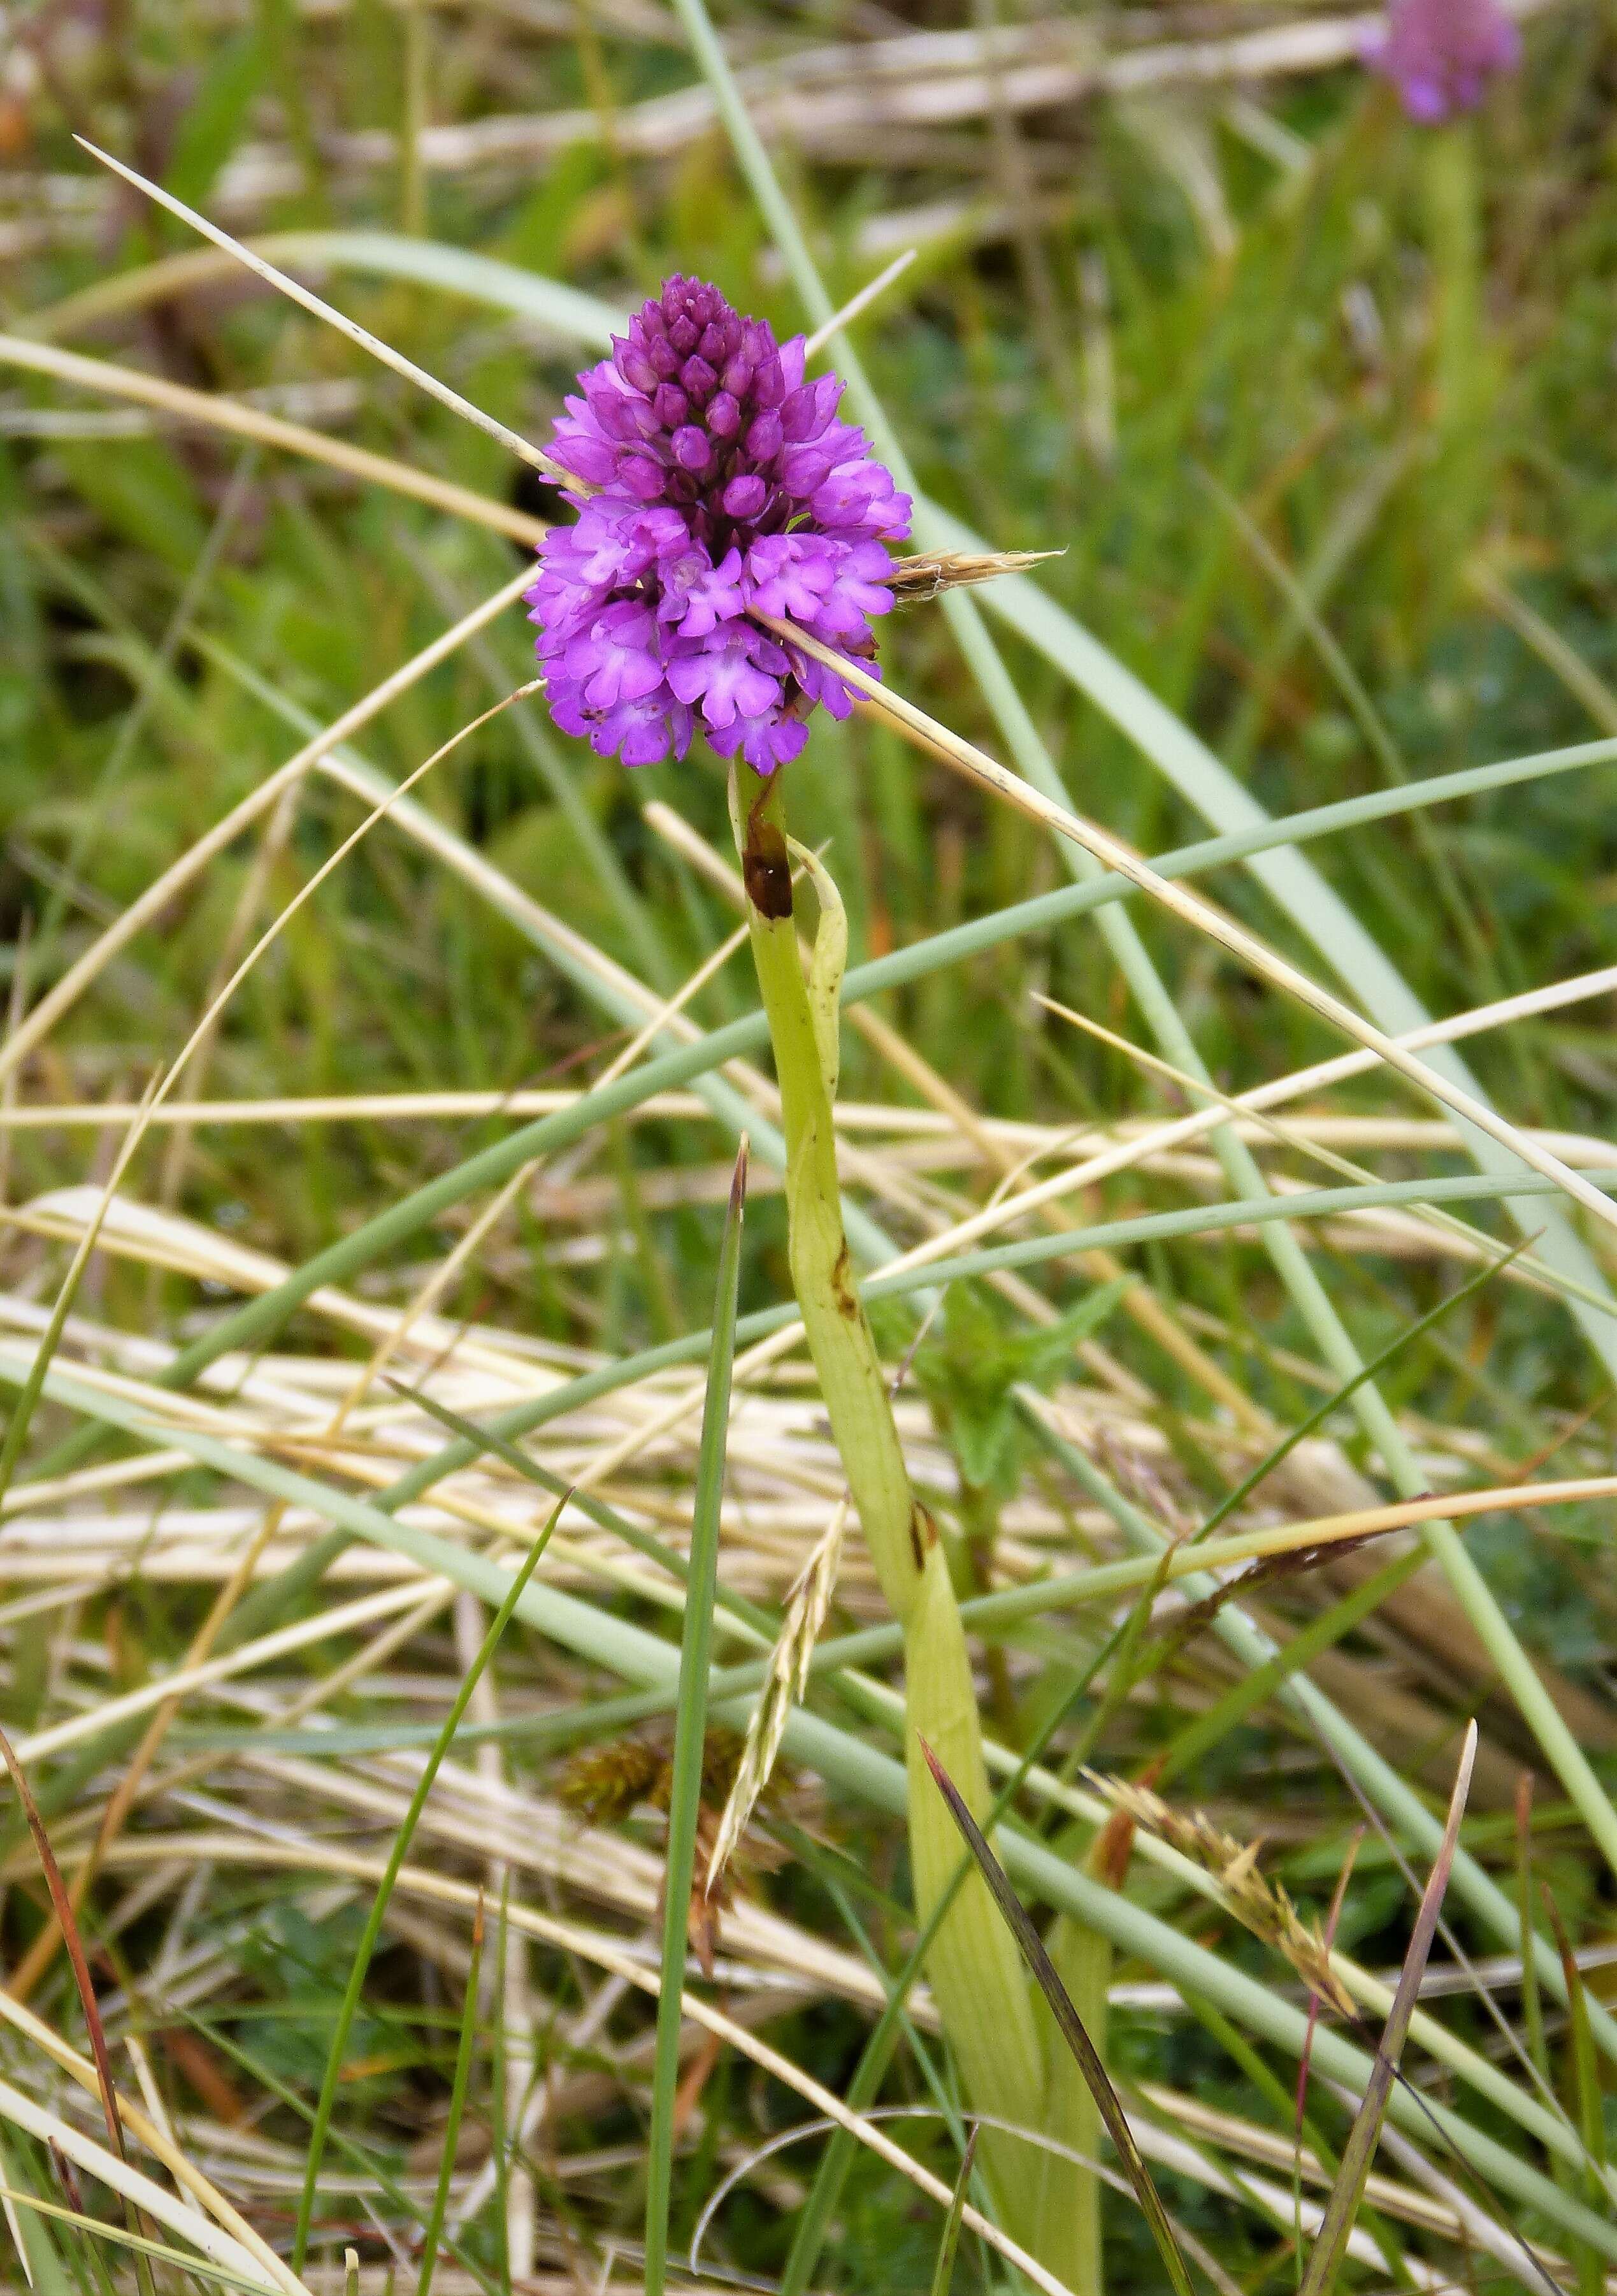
(689, 1737)
(943, 2271)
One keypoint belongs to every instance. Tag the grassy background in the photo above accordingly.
(1316, 407)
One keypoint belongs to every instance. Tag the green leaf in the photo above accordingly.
(969, 1374)
(457, 2106)
(1047, 1353)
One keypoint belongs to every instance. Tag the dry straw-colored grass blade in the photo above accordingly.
(213, 411)
(151, 904)
(808, 1604)
(296, 293)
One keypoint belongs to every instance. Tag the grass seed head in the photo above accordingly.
(1258, 1903)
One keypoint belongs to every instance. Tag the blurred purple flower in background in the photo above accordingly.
(718, 480)
(1439, 54)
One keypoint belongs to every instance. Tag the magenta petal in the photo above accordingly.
(688, 678)
(699, 428)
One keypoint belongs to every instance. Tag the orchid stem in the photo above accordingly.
(972, 1966)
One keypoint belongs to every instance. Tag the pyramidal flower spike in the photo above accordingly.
(1439, 54)
(713, 479)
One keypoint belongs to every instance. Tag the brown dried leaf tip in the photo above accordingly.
(1264, 1572)
(1257, 1903)
(914, 580)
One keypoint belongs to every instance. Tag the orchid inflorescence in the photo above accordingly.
(1439, 54)
(714, 483)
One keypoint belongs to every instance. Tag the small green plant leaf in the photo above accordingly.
(457, 2106)
(827, 965)
(969, 1374)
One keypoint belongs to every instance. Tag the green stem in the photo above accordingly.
(1068, 2236)
(972, 1966)
(979, 1535)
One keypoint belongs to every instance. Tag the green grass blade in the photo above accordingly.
(1377, 1777)
(1366, 1371)
(256, 1322)
(395, 1858)
(564, 310)
(644, 1542)
(603, 986)
(197, 2267)
(458, 2087)
(865, 1645)
(1356, 958)
(613, 1641)
(1320, 1633)
(373, 2164)
(22, 1412)
(942, 2272)
(42, 2269)
(689, 1740)
(1313, 905)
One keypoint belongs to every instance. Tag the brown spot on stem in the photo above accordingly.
(842, 1284)
(923, 1533)
(765, 869)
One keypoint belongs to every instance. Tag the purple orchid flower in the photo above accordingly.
(718, 480)
(1439, 54)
